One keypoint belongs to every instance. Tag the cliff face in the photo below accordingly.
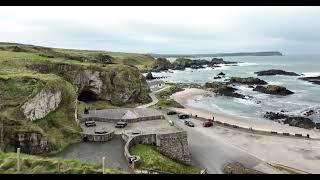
(118, 84)
(42, 104)
(37, 113)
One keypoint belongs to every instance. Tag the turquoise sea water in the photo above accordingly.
(306, 96)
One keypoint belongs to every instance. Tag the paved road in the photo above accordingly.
(212, 153)
(153, 97)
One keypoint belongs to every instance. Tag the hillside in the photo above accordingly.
(39, 87)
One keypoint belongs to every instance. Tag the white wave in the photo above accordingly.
(275, 83)
(247, 64)
(245, 101)
(311, 74)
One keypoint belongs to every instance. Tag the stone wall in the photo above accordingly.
(174, 145)
(97, 137)
(105, 119)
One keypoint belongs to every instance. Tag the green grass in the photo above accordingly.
(238, 168)
(164, 98)
(59, 126)
(45, 165)
(152, 159)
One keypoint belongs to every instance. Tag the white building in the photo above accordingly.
(156, 84)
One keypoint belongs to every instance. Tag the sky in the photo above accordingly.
(165, 29)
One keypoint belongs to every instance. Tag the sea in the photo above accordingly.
(306, 95)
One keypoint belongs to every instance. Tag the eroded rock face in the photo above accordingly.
(221, 88)
(41, 104)
(273, 72)
(118, 84)
(149, 76)
(273, 89)
(247, 81)
(313, 80)
(32, 143)
(301, 122)
(275, 116)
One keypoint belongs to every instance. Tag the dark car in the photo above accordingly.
(90, 123)
(121, 124)
(183, 116)
(171, 113)
(189, 123)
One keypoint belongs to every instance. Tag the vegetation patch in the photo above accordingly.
(238, 168)
(44, 165)
(164, 97)
(151, 159)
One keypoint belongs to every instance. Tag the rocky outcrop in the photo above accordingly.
(161, 64)
(301, 122)
(221, 74)
(216, 61)
(32, 143)
(149, 76)
(275, 116)
(223, 89)
(119, 84)
(273, 89)
(41, 104)
(247, 81)
(313, 80)
(272, 72)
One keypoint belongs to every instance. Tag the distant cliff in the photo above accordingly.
(266, 53)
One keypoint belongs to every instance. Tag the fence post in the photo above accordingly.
(18, 159)
(103, 161)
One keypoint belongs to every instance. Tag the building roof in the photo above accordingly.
(155, 82)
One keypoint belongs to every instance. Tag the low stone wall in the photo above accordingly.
(117, 120)
(97, 137)
(173, 145)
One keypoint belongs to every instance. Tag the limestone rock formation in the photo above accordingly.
(32, 143)
(41, 104)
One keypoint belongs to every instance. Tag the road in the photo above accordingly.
(212, 153)
(153, 97)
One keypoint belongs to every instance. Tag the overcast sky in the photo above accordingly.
(291, 30)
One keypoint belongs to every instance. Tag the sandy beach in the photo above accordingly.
(303, 154)
(183, 97)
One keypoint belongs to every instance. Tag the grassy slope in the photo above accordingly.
(164, 100)
(59, 126)
(152, 159)
(44, 165)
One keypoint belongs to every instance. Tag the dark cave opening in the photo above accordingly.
(87, 96)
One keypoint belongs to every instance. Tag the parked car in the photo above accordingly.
(207, 123)
(90, 123)
(171, 113)
(189, 123)
(183, 116)
(121, 124)
(100, 131)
